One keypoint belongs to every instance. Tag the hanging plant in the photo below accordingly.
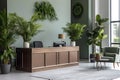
(44, 10)
(77, 9)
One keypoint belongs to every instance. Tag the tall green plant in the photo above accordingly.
(74, 30)
(7, 30)
(96, 35)
(7, 36)
(100, 20)
(26, 29)
(7, 55)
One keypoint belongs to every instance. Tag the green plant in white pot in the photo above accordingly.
(26, 29)
(7, 38)
(74, 31)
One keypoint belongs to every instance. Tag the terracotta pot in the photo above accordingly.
(97, 57)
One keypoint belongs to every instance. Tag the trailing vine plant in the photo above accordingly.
(44, 10)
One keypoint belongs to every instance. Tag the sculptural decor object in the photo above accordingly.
(77, 10)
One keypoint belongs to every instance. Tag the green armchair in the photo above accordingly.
(110, 54)
(113, 54)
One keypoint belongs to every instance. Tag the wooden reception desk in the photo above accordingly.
(36, 59)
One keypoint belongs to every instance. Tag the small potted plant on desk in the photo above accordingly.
(74, 31)
(26, 29)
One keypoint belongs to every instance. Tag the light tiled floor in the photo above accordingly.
(19, 75)
(117, 79)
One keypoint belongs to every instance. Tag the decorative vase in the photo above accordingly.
(73, 43)
(26, 45)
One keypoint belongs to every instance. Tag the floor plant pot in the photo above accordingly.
(98, 56)
(5, 68)
(92, 57)
(26, 45)
(73, 43)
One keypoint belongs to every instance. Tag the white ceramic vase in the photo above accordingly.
(73, 43)
(26, 45)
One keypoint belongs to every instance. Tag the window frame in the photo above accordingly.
(116, 21)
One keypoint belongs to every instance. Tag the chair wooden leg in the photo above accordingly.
(118, 64)
(101, 65)
(104, 64)
(97, 65)
(114, 65)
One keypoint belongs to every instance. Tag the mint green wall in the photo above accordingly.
(24, 8)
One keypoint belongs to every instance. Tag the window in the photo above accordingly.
(115, 22)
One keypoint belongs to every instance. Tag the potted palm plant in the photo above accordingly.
(26, 29)
(74, 31)
(7, 38)
(6, 58)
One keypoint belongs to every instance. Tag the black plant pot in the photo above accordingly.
(5, 68)
(92, 57)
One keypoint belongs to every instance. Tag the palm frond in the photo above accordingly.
(7, 30)
(74, 30)
(26, 29)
